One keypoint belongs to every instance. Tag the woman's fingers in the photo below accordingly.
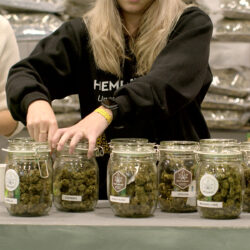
(43, 136)
(41, 121)
(43, 132)
(51, 132)
(30, 130)
(57, 136)
(89, 128)
(34, 129)
(75, 139)
(92, 142)
(64, 138)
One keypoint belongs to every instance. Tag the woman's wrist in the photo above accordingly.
(106, 113)
(111, 104)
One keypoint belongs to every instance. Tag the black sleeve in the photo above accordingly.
(178, 73)
(49, 72)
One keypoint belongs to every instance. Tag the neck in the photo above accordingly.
(131, 23)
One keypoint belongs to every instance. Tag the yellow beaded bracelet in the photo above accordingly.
(105, 114)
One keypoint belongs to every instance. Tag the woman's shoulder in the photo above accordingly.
(75, 27)
(194, 12)
(77, 24)
(192, 18)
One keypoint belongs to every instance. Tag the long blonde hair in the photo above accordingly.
(107, 41)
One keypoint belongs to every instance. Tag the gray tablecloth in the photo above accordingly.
(100, 229)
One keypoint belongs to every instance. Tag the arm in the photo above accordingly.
(177, 75)
(48, 73)
(90, 128)
(9, 54)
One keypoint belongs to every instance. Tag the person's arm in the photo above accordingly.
(90, 128)
(9, 54)
(177, 75)
(47, 74)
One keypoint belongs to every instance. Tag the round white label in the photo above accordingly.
(208, 185)
(11, 180)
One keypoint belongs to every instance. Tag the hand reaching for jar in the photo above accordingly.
(90, 128)
(41, 121)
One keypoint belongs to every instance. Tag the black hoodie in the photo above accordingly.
(162, 105)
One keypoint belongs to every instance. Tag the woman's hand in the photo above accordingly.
(91, 127)
(41, 121)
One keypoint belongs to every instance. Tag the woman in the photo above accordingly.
(159, 47)
(9, 55)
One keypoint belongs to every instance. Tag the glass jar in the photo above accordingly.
(28, 179)
(76, 183)
(132, 180)
(220, 183)
(245, 149)
(177, 169)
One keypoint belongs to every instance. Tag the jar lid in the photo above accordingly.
(245, 146)
(217, 148)
(219, 154)
(18, 140)
(82, 147)
(135, 149)
(218, 141)
(133, 140)
(42, 147)
(26, 145)
(179, 147)
(126, 141)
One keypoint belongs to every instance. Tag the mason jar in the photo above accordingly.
(220, 183)
(177, 169)
(28, 179)
(245, 149)
(132, 180)
(76, 184)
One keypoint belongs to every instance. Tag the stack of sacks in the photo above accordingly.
(32, 20)
(226, 105)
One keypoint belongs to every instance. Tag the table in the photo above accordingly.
(100, 229)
